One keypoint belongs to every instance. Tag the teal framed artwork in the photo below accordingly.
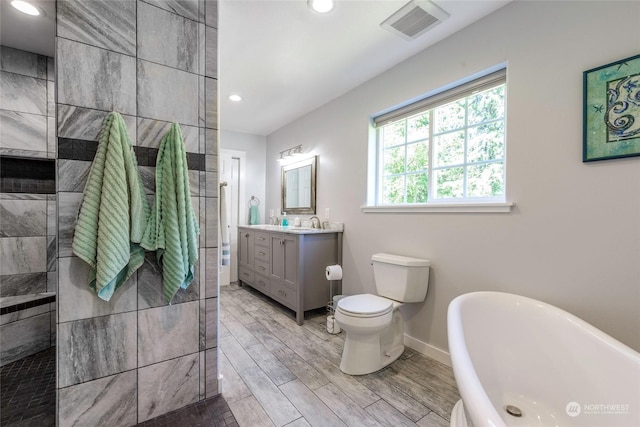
(612, 110)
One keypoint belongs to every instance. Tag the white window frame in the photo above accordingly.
(481, 81)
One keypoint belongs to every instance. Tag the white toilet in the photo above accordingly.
(373, 323)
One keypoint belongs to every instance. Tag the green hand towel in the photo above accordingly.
(254, 215)
(172, 229)
(113, 212)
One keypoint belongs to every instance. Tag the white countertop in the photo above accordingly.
(333, 228)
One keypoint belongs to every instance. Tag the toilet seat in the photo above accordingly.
(365, 305)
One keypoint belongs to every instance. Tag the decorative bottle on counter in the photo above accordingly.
(285, 221)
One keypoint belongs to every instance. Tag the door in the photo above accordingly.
(232, 172)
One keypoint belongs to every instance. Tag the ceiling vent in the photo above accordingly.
(414, 19)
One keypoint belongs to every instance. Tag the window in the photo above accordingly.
(446, 148)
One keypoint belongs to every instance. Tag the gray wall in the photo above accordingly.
(255, 148)
(572, 240)
(136, 357)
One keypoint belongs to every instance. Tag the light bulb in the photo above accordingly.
(25, 7)
(321, 6)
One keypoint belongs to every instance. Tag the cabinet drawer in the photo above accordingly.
(262, 267)
(262, 284)
(245, 275)
(261, 239)
(261, 254)
(285, 295)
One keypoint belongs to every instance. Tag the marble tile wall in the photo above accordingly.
(181, 373)
(25, 325)
(147, 60)
(25, 336)
(27, 104)
(108, 401)
(27, 111)
(26, 247)
(27, 238)
(112, 86)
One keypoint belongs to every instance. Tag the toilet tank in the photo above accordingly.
(401, 278)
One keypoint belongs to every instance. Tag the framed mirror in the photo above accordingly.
(299, 187)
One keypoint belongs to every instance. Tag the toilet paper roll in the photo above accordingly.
(332, 325)
(333, 272)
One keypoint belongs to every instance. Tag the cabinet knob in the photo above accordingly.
(280, 291)
(261, 267)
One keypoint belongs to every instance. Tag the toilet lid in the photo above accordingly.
(365, 305)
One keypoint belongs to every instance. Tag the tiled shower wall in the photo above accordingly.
(136, 357)
(27, 203)
(27, 125)
(27, 118)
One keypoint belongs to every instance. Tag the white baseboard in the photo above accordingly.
(427, 349)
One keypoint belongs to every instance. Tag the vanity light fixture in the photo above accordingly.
(320, 6)
(25, 7)
(235, 97)
(290, 152)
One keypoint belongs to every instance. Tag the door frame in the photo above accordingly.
(242, 210)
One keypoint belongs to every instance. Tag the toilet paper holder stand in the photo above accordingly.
(332, 326)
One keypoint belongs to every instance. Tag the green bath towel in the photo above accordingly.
(172, 229)
(113, 212)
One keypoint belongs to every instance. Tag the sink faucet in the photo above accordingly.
(316, 223)
(273, 220)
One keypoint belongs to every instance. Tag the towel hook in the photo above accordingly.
(253, 200)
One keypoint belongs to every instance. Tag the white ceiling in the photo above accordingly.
(285, 61)
(282, 58)
(30, 33)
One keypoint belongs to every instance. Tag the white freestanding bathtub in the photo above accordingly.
(521, 362)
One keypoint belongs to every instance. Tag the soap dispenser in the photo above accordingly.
(285, 221)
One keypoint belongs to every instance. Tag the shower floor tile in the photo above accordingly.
(28, 391)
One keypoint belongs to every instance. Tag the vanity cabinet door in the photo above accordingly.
(290, 269)
(245, 249)
(284, 260)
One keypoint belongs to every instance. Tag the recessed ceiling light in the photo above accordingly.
(320, 6)
(25, 7)
(235, 97)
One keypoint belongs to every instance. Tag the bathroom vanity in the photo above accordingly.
(288, 264)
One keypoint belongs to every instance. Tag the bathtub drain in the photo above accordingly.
(513, 410)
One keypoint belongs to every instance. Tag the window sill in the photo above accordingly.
(498, 207)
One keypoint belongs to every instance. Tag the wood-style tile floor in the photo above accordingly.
(277, 373)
